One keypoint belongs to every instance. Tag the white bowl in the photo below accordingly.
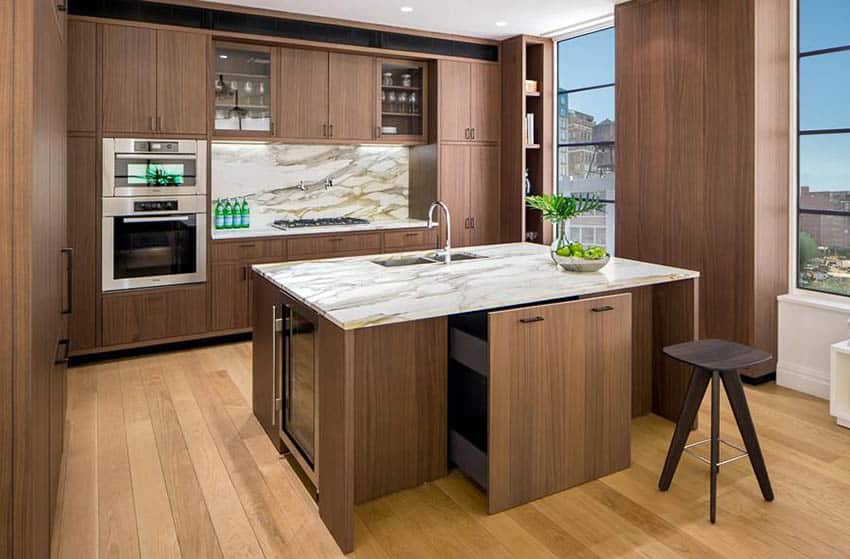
(574, 264)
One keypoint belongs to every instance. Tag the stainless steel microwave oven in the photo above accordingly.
(154, 167)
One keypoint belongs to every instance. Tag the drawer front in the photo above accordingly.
(232, 251)
(305, 248)
(577, 354)
(410, 240)
(152, 314)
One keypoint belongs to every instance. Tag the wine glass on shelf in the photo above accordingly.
(402, 102)
(391, 101)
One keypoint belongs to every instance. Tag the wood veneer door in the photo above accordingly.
(454, 83)
(82, 76)
(454, 191)
(229, 296)
(83, 191)
(181, 82)
(485, 102)
(560, 382)
(484, 194)
(129, 79)
(352, 87)
(304, 93)
(266, 355)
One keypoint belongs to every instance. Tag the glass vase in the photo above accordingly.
(559, 239)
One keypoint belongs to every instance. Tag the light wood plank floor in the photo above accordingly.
(164, 459)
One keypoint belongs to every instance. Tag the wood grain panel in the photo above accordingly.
(335, 363)
(153, 313)
(560, 395)
(266, 355)
(82, 76)
(181, 82)
(400, 406)
(129, 79)
(512, 197)
(485, 102)
(352, 82)
(256, 249)
(83, 191)
(410, 240)
(229, 296)
(303, 93)
(328, 246)
(453, 99)
(484, 204)
(454, 190)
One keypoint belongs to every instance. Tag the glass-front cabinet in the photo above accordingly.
(402, 101)
(244, 90)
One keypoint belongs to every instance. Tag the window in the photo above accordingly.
(823, 146)
(586, 130)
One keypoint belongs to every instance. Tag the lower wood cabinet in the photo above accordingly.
(266, 356)
(420, 239)
(151, 314)
(560, 377)
(328, 246)
(230, 295)
(469, 185)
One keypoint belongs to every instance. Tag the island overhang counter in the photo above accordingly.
(525, 376)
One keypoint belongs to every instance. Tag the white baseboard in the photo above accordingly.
(803, 379)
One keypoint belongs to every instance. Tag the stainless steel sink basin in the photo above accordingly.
(432, 258)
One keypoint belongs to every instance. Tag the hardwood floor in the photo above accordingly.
(164, 459)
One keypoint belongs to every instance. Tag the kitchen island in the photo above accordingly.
(377, 371)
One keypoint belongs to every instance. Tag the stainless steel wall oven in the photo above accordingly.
(144, 167)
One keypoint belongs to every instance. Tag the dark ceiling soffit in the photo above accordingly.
(226, 21)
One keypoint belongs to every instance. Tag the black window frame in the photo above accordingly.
(811, 132)
(567, 92)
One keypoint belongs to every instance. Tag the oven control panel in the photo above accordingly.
(155, 147)
(155, 206)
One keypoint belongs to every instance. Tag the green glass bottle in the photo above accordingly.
(219, 214)
(237, 214)
(228, 214)
(246, 214)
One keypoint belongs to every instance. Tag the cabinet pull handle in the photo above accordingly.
(159, 123)
(152, 124)
(66, 343)
(69, 279)
(275, 329)
(411, 234)
(473, 133)
(331, 130)
(530, 320)
(325, 130)
(605, 308)
(247, 245)
(472, 222)
(61, 7)
(271, 127)
(244, 273)
(466, 133)
(378, 133)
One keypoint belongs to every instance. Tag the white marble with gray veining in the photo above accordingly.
(265, 229)
(370, 182)
(355, 292)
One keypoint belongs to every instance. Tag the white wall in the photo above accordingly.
(808, 325)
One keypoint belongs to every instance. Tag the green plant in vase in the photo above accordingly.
(558, 209)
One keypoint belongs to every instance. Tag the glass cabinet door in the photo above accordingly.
(243, 89)
(403, 100)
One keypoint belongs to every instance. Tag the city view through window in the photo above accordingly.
(823, 247)
(586, 127)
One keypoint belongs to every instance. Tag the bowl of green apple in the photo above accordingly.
(576, 257)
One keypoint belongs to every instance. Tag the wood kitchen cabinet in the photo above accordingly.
(469, 99)
(244, 89)
(469, 185)
(82, 76)
(266, 356)
(326, 95)
(150, 314)
(229, 296)
(153, 81)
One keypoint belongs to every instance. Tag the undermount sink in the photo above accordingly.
(433, 258)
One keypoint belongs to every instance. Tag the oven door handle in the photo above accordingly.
(153, 219)
(164, 156)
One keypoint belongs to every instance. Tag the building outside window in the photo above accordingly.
(586, 130)
(823, 164)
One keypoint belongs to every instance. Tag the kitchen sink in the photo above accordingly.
(433, 258)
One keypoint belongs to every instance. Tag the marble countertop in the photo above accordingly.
(356, 293)
(265, 229)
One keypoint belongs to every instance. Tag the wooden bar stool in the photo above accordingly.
(716, 360)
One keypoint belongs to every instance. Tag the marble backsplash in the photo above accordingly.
(368, 181)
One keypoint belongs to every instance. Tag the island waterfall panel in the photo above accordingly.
(702, 162)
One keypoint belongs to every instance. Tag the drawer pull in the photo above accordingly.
(411, 234)
(529, 320)
(335, 239)
(251, 245)
(606, 308)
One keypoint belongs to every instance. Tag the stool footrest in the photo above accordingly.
(743, 452)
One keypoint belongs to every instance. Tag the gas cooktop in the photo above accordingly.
(321, 222)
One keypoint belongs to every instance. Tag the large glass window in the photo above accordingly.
(586, 120)
(823, 155)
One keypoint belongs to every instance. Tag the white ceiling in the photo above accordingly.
(475, 18)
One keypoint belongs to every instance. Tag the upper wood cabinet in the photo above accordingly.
(469, 97)
(402, 106)
(304, 93)
(153, 81)
(82, 76)
(244, 88)
(352, 84)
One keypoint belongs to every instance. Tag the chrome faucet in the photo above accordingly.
(432, 223)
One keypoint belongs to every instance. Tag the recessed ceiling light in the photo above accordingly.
(406, 9)
(501, 23)
(223, 56)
